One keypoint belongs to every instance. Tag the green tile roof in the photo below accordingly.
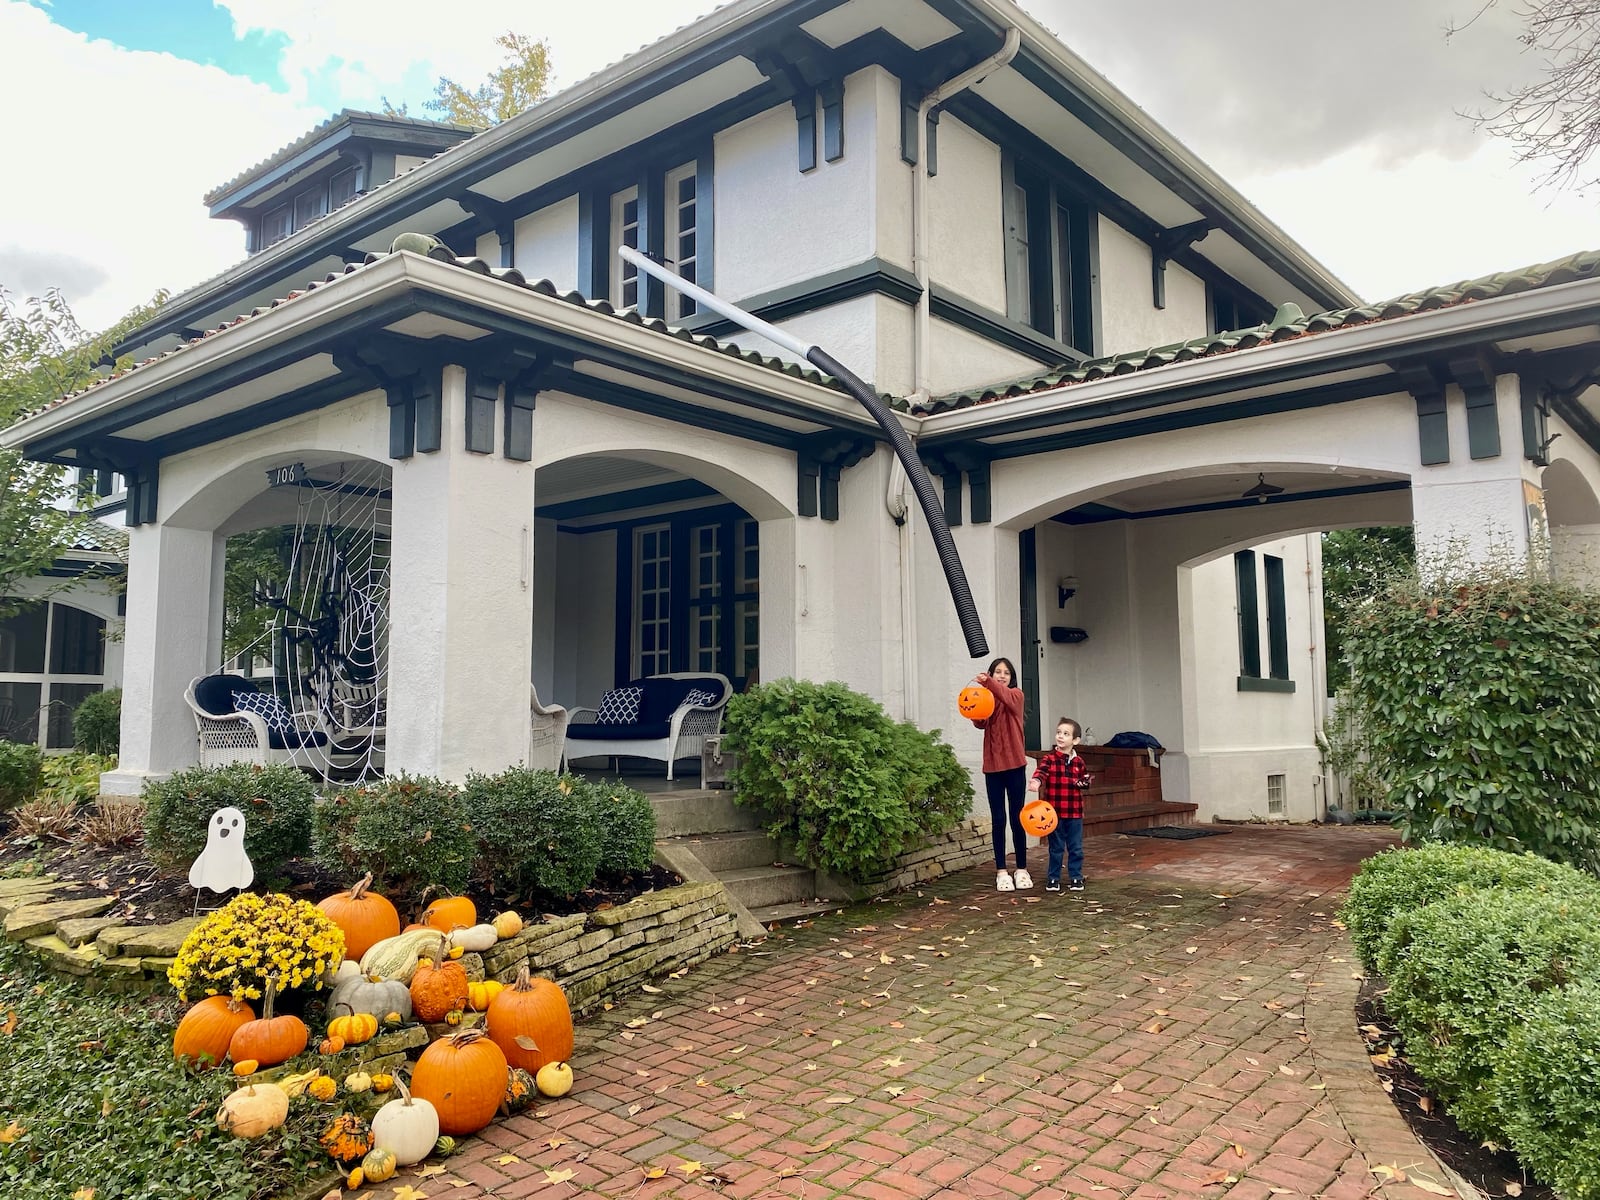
(1287, 324)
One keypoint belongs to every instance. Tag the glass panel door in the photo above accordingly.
(652, 611)
(705, 597)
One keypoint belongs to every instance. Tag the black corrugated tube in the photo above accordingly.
(955, 576)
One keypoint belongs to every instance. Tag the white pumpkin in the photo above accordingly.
(474, 937)
(253, 1109)
(406, 1127)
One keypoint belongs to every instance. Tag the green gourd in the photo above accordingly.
(396, 957)
(372, 994)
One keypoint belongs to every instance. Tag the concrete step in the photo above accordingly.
(709, 810)
(764, 887)
(789, 914)
(733, 851)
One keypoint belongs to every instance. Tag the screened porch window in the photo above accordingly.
(52, 656)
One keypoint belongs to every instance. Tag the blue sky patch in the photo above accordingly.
(196, 30)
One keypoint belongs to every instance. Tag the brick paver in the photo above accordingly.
(1184, 1028)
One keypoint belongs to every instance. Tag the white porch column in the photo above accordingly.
(461, 628)
(165, 646)
(1475, 509)
(1575, 554)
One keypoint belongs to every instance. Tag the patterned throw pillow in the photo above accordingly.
(268, 707)
(620, 706)
(700, 698)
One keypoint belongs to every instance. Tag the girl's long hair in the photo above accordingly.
(1010, 666)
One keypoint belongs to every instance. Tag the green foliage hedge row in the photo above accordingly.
(1493, 965)
(276, 802)
(19, 773)
(1480, 694)
(97, 722)
(839, 780)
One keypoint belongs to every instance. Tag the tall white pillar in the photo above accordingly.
(170, 581)
(461, 643)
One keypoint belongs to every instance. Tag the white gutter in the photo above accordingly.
(397, 274)
(1579, 299)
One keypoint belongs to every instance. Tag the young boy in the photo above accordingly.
(1062, 778)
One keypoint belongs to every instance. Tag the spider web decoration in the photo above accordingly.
(331, 623)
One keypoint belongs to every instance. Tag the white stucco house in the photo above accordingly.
(585, 480)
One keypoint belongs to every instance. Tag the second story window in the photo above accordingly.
(309, 205)
(681, 229)
(1048, 273)
(277, 225)
(344, 187)
(624, 232)
(663, 209)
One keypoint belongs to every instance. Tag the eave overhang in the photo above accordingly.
(698, 382)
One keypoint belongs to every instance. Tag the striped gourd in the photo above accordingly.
(396, 957)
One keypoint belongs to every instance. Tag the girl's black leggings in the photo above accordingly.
(1007, 791)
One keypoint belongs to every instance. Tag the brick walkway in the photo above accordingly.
(1183, 1028)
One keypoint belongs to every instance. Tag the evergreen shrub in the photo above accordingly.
(537, 831)
(1400, 880)
(837, 778)
(1464, 973)
(627, 827)
(276, 802)
(19, 773)
(411, 831)
(97, 723)
(1480, 692)
(1548, 1089)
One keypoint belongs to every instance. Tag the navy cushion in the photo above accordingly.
(214, 693)
(295, 739)
(637, 731)
(663, 697)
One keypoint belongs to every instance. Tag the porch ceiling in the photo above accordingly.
(1227, 489)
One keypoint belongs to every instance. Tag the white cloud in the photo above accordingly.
(110, 169)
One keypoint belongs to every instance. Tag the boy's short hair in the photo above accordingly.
(1077, 730)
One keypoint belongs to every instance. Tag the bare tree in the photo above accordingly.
(1554, 120)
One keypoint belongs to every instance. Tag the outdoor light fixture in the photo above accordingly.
(1260, 490)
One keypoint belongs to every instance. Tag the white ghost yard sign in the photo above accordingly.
(223, 864)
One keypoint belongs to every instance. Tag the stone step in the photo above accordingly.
(733, 851)
(789, 914)
(35, 920)
(764, 887)
(146, 941)
(709, 810)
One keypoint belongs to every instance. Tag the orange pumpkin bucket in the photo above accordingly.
(975, 703)
(1038, 817)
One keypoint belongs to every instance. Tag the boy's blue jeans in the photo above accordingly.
(1067, 837)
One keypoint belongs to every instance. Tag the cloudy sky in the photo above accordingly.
(1341, 124)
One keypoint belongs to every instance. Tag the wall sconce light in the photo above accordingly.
(1066, 589)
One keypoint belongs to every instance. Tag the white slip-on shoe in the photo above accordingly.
(1002, 883)
(1024, 880)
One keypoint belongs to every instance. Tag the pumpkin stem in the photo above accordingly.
(467, 1036)
(524, 982)
(271, 995)
(359, 888)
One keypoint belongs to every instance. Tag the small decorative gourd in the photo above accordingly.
(406, 1127)
(437, 989)
(372, 994)
(365, 917)
(253, 1110)
(203, 1035)
(554, 1079)
(353, 1028)
(507, 925)
(396, 957)
(521, 1091)
(474, 937)
(357, 1082)
(347, 1139)
(464, 1077)
(269, 1040)
(481, 993)
(379, 1164)
(323, 1088)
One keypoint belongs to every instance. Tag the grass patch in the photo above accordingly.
(90, 1097)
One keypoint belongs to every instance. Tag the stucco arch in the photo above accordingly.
(1570, 493)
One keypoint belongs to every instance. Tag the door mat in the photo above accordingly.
(1180, 833)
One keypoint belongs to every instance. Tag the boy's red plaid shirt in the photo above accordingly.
(1063, 782)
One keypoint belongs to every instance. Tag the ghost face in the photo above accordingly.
(223, 864)
(227, 823)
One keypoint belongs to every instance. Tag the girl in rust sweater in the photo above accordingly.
(1005, 771)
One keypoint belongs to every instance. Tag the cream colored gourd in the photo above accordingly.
(508, 924)
(253, 1110)
(474, 937)
(553, 1079)
(396, 957)
(408, 1127)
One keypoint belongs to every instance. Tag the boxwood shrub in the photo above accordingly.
(1548, 1089)
(627, 827)
(1464, 973)
(412, 832)
(276, 803)
(1400, 880)
(19, 773)
(97, 723)
(839, 780)
(537, 831)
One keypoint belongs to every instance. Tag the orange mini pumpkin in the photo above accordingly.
(976, 703)
(1038, 817)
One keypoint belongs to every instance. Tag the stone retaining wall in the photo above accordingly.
(967, 845)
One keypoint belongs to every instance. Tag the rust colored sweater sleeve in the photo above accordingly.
(1003, 748)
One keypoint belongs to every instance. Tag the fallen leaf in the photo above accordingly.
(736, 1116)
(1238, 1150)
(1425, 1103)
(895, 1091)
(1190, 949)
(1429, 1186)
(1116, 1087)
(83, 1193)
(526, 1042)
(1513, 1188)
(840, 1099)
(10, 1025)
(507, 1158)
(1045, 1017)
(690, 1167)
(633, 1110)
(654, 1172)
(406, 1192)
(1211, 1178)
(1286, 1070)
(1154, 1027)
(739, 1049)
(845, 954)
(638, 1021)
(896, 1061)
(560, 1176)
(645, 987)
(10, 1133)
(425, 1172)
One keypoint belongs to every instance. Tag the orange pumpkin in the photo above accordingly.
(269, 1040)
(976, 703)
(1038, 817)
(206, 1029)
(438, 988)
(532, 1022)
(365, 917)
(464, 1078)
(451, 912)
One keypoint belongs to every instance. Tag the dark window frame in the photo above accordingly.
(1048, 232)
(1249, 612)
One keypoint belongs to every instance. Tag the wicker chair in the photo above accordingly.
(548, 737)
(666, 726)
(230, 733)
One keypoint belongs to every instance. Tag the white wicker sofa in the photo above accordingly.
(662, 718)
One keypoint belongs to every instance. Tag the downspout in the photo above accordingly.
(895, 500)
(919, 201)
(1318, 689)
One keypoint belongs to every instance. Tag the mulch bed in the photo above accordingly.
(145, 897)
(1493, 1172)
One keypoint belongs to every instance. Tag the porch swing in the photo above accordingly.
(328, 640)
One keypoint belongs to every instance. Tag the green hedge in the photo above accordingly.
(411, 832)
(276, 802)
(97, 723)
(839, 780)
(1548, 1089)
(1465, 972)
(19, 773)
(537, 831)
(1398, 881)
